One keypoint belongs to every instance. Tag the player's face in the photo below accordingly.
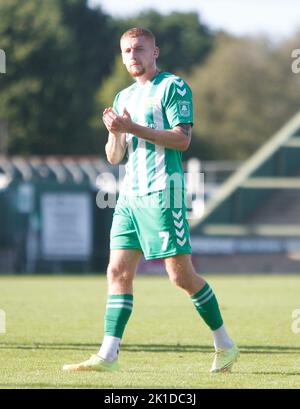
(139, 55)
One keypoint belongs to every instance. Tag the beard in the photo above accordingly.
(136, 70)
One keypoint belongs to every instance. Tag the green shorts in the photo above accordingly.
(154, 223)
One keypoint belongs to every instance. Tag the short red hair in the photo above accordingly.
(139, 32)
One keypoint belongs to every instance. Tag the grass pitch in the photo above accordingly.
(54, 320)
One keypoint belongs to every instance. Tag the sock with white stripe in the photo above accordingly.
(118, 311)
(207, 306)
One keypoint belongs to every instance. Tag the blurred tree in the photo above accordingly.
(243, 94)
(118, 80)
(63, 68)
(97, 45)
(57, 54)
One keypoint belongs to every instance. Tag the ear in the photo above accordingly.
(156, 52)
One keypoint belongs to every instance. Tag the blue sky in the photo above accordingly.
(276, 18)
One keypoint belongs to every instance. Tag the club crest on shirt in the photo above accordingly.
(184, 108)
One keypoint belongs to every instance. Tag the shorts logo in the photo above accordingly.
(184, 108)
(178, 222)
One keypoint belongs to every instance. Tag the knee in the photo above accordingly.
(117, 274)
(177, 279)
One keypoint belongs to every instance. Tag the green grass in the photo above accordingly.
(55, 320)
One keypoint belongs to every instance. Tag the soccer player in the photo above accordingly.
(151, 121)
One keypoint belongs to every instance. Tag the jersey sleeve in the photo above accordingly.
(178, 103)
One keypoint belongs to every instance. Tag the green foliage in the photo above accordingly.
(57, 53)
(63, 68)
(243, 94)
(118, 80)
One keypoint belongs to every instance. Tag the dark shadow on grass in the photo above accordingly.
(245, 349)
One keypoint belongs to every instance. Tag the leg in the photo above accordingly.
(125, 255)
(182, 273)
(120, 274)
(121, 270)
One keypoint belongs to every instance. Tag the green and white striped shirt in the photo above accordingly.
(161, 103)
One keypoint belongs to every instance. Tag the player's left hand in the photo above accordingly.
(127, 121)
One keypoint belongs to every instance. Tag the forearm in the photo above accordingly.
(115, 149)
(169, 138)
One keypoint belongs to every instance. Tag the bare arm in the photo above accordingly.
(115, 148)
(177, 138)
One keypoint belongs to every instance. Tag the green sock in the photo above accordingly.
(118, 311)
(207, 306)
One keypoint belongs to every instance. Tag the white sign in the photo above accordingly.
(66, 226)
